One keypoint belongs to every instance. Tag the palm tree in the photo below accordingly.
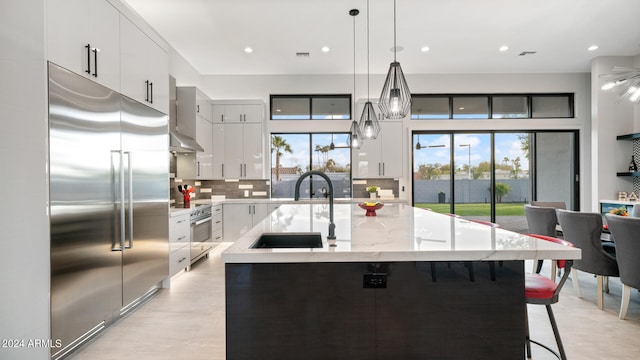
(278, 144)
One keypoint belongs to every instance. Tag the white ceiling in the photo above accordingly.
(463, 35)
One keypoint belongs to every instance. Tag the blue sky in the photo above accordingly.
(507, 145)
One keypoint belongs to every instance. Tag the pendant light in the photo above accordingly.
(355, 136)
(418, 146)
(369, 125)
(395, 99)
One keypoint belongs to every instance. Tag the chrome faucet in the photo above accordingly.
(332, 226)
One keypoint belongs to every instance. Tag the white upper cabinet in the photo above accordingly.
(218, 150)
(82, 36)
(238, 140)
(193, 108)
(243, 151)
(382, 157)
(236, 113)
(145, 67)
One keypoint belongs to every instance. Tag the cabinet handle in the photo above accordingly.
(383, 169)
(182, 237)
(218, 237)
(88, 47)
(151, 96)
(240, 170)
(249, 209)
(379, 169)
(222, 170)
(198, 109)
(95, 61)
(240, 117)
(221, 117)
(181, 260)
(146, 83)
(218, 222)
(198, 168)
(180, 221)
(245, 170)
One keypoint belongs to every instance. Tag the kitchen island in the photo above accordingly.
(406, 284)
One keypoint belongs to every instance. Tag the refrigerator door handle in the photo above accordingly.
(116, 178)
(129, 199)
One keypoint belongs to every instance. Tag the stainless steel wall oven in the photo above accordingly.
(201, 231)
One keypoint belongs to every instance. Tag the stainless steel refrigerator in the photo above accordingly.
(109, 195)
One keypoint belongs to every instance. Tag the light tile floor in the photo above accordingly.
(187, 321)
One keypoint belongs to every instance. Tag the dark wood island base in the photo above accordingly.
(391, 310)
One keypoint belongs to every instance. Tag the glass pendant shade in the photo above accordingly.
(395, 99)
(369, 124)
(355, 137)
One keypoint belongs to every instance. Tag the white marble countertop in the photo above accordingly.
(178, 208)
(400, 232)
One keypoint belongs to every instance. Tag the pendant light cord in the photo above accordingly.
(395, 47)
(354, 58)
(368, 50)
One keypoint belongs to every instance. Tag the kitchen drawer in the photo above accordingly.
(217, 236)
(179, 259)
(179, 229)
(177, 245)
(216, 221)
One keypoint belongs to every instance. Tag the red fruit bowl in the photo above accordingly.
(371, 210)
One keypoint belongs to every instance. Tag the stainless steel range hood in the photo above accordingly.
(183, 143)
(178, 142)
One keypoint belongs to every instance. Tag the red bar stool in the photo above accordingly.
(544, 291)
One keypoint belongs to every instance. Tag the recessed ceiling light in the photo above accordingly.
(325, 49)
(503, 48)
(248, 50)
(278, 110)
(593, 48)
(424, 49)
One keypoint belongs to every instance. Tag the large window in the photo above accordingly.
(310, 107)
(294, 154)
(500, 106)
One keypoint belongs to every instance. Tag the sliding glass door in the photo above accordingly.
(491, 175)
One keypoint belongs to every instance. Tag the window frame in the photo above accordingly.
(529, 98)
(311, 97)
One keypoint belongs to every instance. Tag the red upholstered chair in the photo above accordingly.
(541, 290)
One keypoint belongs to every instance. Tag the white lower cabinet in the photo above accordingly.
(240, 218)
(179, 243)
(216, 224)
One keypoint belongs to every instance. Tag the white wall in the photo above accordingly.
(184, 73)
(610, 117)
(261, 86)
(24, 223)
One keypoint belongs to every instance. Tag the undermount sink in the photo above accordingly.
(288, 240)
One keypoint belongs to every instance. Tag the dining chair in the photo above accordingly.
(540, 290)
(552, 204)
(626, 234)
(541, 221)
(584, 229)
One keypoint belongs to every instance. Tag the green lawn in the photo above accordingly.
(507, 209)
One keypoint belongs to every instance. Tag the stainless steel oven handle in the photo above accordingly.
(200, 222)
